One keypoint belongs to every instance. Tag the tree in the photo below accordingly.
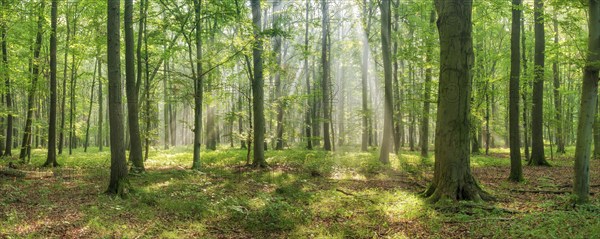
(257, 90)
(198, 84)
(326, 80)
(537, 117)
(278, 91)
(560, 143)
(366, 22)
(35, 72)
(61, 136)
(118, 167)
(427, 93)
(135, 151)
(452, 174)
(516, 171)
(589, 97)
(388, 136)
(308, 118)
(51, 158)
(9, 117)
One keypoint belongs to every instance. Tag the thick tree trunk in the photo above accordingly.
(452, 173)
(135, 143)
(26, 140)
(257, 90)
(51, 158)
(118, 167)
(537, 110)
(589, 97)
(516, 171)
(388, 136)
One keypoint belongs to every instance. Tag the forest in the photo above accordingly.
(299, 119)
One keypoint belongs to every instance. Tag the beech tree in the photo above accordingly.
(118, 184)
(516, 172)
(452, 173)
(589, 101)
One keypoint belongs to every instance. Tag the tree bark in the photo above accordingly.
(72, 105)
(589, 96)
(326, 80)
(51, 158)
(452, 173)
(308, 113)
(118, 167)
(100, 109)
(89, 115)
(9, 117)
(516, 171)
(427, 93)
(365, 77)
(388, 136)
(257, 90)
(135, 150)
(524, 91)
(198, 84)
(26, 140)
(560, 142)
(537, 110)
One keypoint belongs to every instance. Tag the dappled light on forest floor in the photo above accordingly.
(304, 194)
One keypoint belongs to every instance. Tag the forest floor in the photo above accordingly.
(305, 194)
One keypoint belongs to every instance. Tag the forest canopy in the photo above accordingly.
(299, 118)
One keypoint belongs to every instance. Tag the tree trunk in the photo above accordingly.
(596, 133)
(135, 143)
(524, 91)
(9, 117)
(61, 137)
(365, 77)
(257, 90)
(100, 142)
(89, 115)
(427, 93)
(560, 143)
(51, 158)
(198, 84)
(452, 173)
(326, 80)
(388, 136)
(308, 114)
(118, 167)
(396, 85)
(26, 140)
(72, 105)
(516, 171)
(537, 117)
(589, 96)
